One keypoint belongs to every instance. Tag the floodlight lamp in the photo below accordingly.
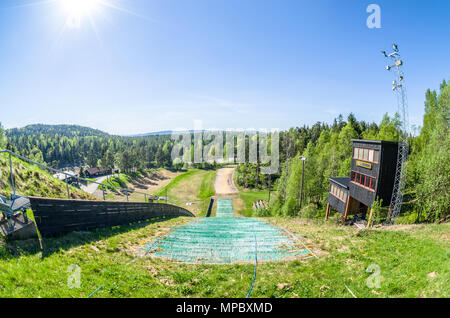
(401, 78)
(384, 53)
(388, 67)
(395, 47)
(399, 62)
(302, 158)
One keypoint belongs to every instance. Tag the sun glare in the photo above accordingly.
(77, 9)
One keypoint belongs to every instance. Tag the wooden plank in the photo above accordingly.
(370, 218)
(328, 211)
(346, 208)
(55, 216)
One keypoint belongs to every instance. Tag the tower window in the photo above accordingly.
(365, 154)
(363, 180)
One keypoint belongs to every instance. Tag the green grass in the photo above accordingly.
(30, 180)
(122, 180)
(195, 186)
(176, 181)
(249, 197)
(413, 262)
(207, 186)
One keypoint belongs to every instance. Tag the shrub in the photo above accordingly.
(290, 208)
(309, 211)
(263, 212)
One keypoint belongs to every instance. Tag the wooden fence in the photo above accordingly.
(54, 216)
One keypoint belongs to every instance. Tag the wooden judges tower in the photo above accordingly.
(372, 176)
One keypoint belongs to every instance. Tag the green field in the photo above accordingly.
(406, 260)
(412, 261)
(248, 197)
(194, 186)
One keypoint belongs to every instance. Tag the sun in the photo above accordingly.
(77, 9)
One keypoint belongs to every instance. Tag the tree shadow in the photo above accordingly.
(52, 245)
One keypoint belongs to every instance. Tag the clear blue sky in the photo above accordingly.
(229, 63)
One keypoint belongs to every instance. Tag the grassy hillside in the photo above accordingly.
(195, 186)
(248, 197)
(144, 181)
(31, 180)
(412, 261)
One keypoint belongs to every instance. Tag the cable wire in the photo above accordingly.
(254, 272)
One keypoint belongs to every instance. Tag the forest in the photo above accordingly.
(62, 146)
(328, 151)
(326, 147)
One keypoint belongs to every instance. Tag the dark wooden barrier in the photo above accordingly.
(208, 212)
(54, 216)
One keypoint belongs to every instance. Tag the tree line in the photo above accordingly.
(328, 149)
(68, 145)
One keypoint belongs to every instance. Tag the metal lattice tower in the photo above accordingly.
(398, 86)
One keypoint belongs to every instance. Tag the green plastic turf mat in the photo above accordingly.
(226, 239)
(224, 208)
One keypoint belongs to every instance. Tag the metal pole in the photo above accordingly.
(103, 194)
(12, 174)
(127, 195)
(166, 195)
(67, 186)
(301, 189)
(145, 197)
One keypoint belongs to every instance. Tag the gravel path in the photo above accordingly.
(224, 183)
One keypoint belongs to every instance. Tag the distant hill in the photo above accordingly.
(165, 133)
(69, 131)
(72, 145)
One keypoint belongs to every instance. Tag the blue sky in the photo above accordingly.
(229, 63)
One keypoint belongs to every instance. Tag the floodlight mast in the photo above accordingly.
(403, 148)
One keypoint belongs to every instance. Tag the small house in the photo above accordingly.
(97, 172)
(371, 177)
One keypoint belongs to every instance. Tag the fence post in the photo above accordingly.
(145, 197)
(127, 195)
(67, 186)
(12, 174)
(104, 199)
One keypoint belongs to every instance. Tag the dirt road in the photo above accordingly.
(224, 183)
(92, 187)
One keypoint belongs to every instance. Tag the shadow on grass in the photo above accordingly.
(51, 245)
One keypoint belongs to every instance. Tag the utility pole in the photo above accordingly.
(398, 86)
(303, 177)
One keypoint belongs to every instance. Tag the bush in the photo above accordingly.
(263, 212)
(276, 207)
(290, 208)
(310, 211)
